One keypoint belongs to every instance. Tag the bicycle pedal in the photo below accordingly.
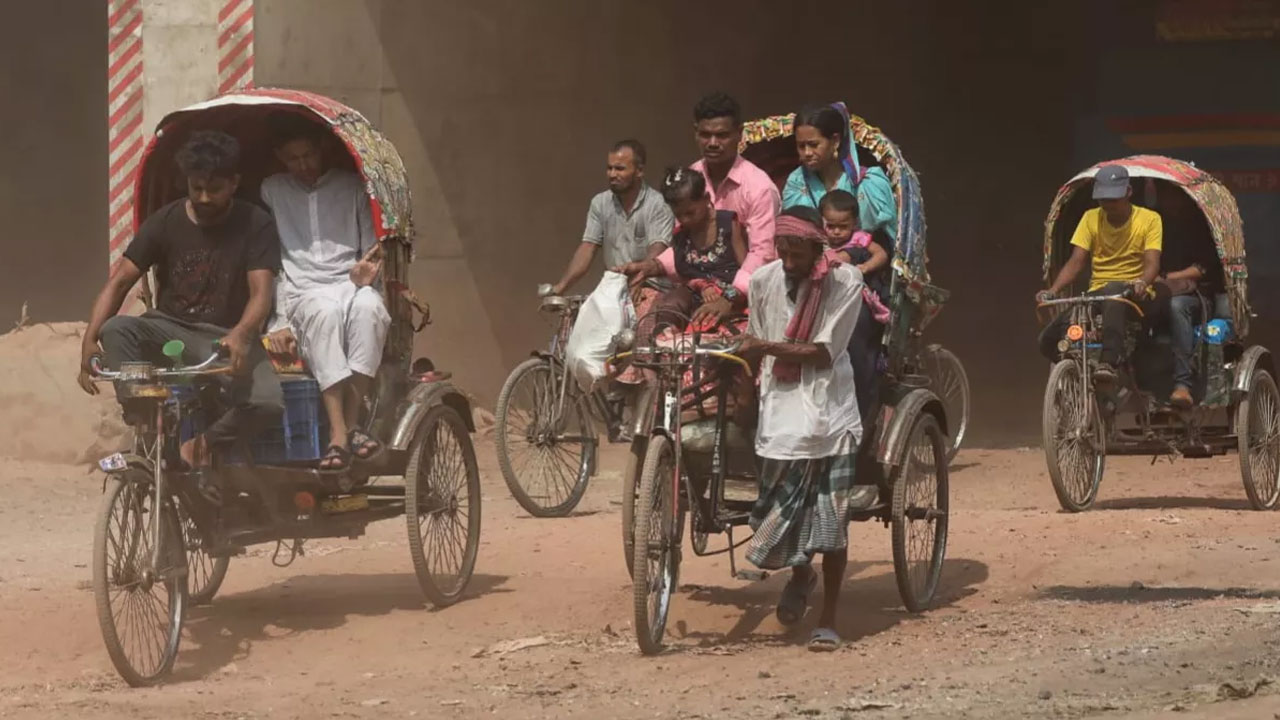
(751, 575)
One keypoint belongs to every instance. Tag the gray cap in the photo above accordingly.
(1110, 183)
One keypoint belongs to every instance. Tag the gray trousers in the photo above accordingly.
(256, 398)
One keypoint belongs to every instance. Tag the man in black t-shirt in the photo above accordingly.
(1190, 269)
(215, 259)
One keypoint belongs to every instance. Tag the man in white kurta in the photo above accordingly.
(808, 430)
(326, 292)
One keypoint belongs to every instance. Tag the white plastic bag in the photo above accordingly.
(606, 312)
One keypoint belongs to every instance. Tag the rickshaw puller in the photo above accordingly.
(327, 295)
(215, 258)
(803, 312)
(1121, 243)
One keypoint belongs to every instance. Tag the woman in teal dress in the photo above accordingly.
(829, 161)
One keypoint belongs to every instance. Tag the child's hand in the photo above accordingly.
(710, 293)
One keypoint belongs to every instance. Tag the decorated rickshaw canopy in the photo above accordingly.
(242, 114)
(1212, 198)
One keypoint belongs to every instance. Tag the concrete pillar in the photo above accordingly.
(164, 55)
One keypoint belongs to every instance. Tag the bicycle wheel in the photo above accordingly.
(205, 573)
(442, 505)
(630, 490)
(545, 459)
(950, 383)
(141, 604)
(1258, 436)
(656, 566)
(920, 513)
(1073, 437)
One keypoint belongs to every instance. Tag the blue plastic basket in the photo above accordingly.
(301, 434)
(303, 431)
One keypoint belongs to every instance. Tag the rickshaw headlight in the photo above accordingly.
(1075, 333)
(1063, 346)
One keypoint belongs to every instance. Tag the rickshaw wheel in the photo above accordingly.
(538, 464)
(140, 609)
(1258, 435)
(920, 513)
(656, 566)
(204, 572)
(951, 385)
(630, 489)
(442, 505)
(1073, 437)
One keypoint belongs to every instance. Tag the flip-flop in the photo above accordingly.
(795, 600)
(338, 453)
(359, 440)
(824, 640)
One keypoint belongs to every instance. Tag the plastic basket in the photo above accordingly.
(300, 435)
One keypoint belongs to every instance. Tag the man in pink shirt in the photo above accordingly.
(734, 184)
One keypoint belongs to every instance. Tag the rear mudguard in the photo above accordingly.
(897, 416)
(421, 399)
(1254, 358)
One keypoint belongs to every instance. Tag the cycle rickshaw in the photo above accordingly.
(1236, 406)
(161, 542)
(690, 456)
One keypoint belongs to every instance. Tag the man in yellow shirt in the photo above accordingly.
(1121, 244)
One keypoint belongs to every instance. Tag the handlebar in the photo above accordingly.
(705, 352)
(1124, 297)
(206, 367)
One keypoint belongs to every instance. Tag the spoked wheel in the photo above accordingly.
(950, 383)
(141, 602)
(205, 573)
(1258, 434)
(1074, 437)
(657, 545)
(442, 505)
(920, 513)
(545, 454)
(630, 490)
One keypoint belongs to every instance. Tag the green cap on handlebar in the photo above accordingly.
(174, 349)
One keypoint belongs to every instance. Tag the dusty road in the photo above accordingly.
(1161, 602)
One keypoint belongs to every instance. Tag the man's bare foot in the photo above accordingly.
(194, 452)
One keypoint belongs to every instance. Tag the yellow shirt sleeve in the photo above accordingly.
(1084, 234)
(1153, 238)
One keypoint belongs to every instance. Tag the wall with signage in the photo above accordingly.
(1194, 80)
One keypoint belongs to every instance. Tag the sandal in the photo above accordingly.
(824, 640)
(363, 446)
(336, 459)
(795, 600)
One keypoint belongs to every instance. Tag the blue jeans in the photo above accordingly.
(1184, 318)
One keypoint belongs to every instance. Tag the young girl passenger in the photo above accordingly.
(709, 247)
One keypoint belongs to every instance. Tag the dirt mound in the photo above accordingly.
(46, 416)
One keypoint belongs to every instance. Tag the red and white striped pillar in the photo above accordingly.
(125, 136)
(136, 101)
(235, 45)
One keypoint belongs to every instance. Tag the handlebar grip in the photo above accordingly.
(95, 363)
(221, 350)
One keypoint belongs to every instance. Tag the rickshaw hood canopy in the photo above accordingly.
(1214, 200)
